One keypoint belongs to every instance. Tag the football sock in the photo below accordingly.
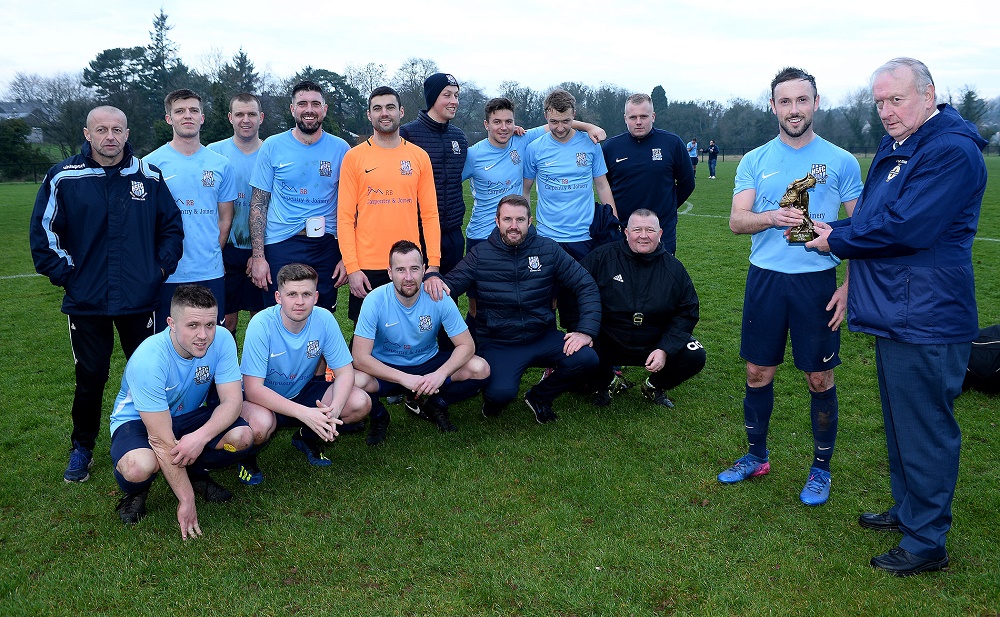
(131, 488)
(757, 407)
(823, 412)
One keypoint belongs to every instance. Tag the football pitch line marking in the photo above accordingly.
(18, 276)
(688, 206)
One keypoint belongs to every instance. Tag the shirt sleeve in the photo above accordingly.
(146, 375)
(334, 348)
(451, 317)
(255, 348)
(262, 176)
(227, 368)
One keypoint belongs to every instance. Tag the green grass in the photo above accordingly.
(608, 512)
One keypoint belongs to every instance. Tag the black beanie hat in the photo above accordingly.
(434, 84)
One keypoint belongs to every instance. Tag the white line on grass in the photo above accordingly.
(688, 207)
(18, 276)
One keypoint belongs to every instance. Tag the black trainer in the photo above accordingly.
(656, 395)
(377, 430)
(132, 507)
(437, 409)
(491, 410)
(210, 490)
(602, 398)
(543, 411)
(415, 405)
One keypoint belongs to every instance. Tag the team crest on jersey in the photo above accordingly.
(202, 375)
(325, 169)
(312, 349)
(894, 171)
(207, 177)
(582, 160)
(138, 190)
(534, 264)
(819, 172)
(515, 157)
(405, 168)
(456, 148)
(657, 154)
(425, 323)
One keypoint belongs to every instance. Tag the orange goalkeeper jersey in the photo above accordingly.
(383, 193)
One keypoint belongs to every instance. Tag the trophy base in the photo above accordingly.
(802, 235)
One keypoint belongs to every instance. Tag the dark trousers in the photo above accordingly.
(918, 385)
(566, 301)
(508, 363)
(92, 339)
(322, 253)
(680, 366)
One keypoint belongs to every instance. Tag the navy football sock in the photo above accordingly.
(757, 407)
(823, 412)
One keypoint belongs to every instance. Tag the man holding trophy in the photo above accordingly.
(794, 179)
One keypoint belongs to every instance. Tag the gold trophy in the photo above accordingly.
(797, 196)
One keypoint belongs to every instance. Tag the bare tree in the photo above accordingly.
(366, 78)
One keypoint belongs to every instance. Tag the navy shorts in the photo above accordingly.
(452, 249)
(241, 293)
(376, 278)
(776, 305)
(322, 253)
(216, 286)
(133, 435)
(314, 390)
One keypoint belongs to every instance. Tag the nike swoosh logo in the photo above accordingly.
(828, 358)
(620, 160)
(275, 355)
(368, 171)
(489, 167)
(766, 176)
(169, 177)
(389, 325)
(280, 165)
(169, 388)
(549, 163)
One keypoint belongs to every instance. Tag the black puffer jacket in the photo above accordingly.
(515, 285)
(447, 148)
(655, 285)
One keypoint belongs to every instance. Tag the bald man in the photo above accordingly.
(106, 229)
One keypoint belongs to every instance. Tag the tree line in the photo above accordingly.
(135, 79)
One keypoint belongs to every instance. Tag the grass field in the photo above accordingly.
(608, 512)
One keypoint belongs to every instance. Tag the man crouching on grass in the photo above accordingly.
(281, 352)
(161, 422)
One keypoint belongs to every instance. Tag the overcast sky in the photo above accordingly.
(696, 49)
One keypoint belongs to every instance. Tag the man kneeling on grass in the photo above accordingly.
(161, 421)
(281, 352)
(396, 341)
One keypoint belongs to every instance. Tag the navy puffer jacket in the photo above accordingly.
(447, 148)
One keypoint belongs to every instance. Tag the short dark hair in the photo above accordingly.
(179, 95)
(192, 294)
(382, 91)
(501, 103)
(514, 199)
(791, 73)
(402, 247)
(291, 273)
(307, 86)
(244, 97)
(560, 101)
